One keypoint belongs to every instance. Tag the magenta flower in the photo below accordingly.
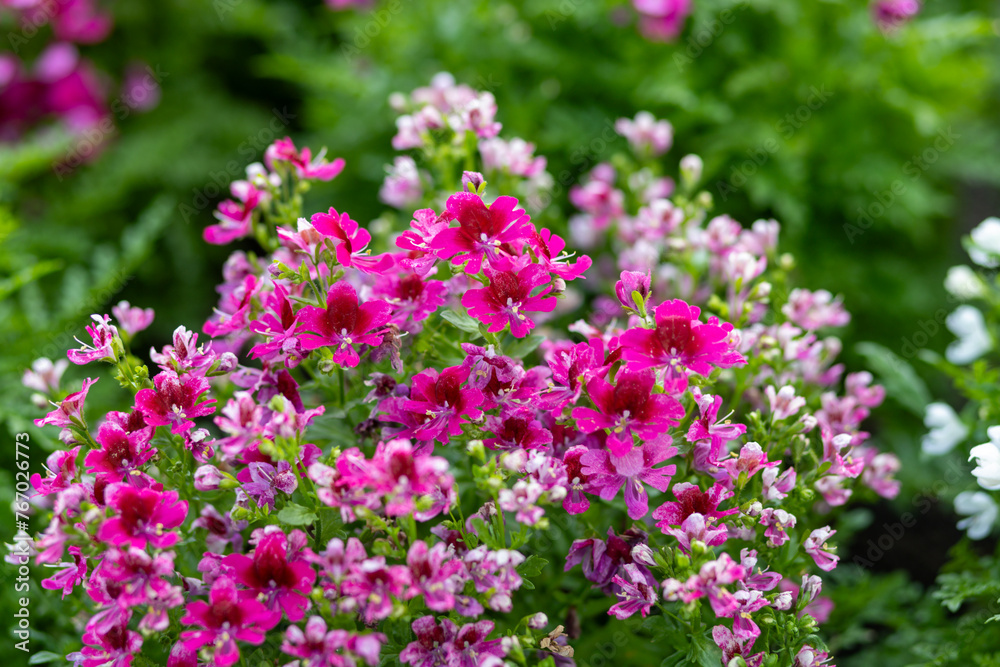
(120, 452)
(343, 323)
(482, 232)
(681, 342)
(226, 619)
(401, 476)
(508, 297)
(103, 335)
(69, 412)
(174, 401)
(777, 522)
(636, 594)
(436, 575)
(141, 516)
(61, 465)
(351, 241)
(260, 481)
(692, 500)
(185, 355)
(609, 473)
(417, 240)
(747, 602)
(72, 574)
(495, 573)
(601, 560)
(572, 367)
(373, 584)
(445, 644)
(696, 528)
(549, 249)
(271, 577)
(709, 427)
(438, 404)
(113, 647)
(222, 530)
(733, 647)
(517, 428)
(630, 283)
(131, 319)
(412, 297)
(279, 325)
(576, 501)
(815, 545)
(762, 580)
(305, 165)
(317, 647)
(751, 460)
(628, 409)
(235, 216)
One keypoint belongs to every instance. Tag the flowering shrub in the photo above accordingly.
(361, 462)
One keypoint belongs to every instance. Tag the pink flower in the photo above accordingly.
(822, 553)
(517, 428)
(113, 647)
(401, 475)
(413, 298)
(235, 217)
(226, 619)
(417, 240)
(436, 575)
(69, 412)
(751, 460)
(495, 573)
(645, 134)
(636, 594)
(317, 647)
(733, 646)
(601, 560)
(402, 187)
(261, 480)
(628, 409)
(508, 297)
(516, 157)
(692, 500)
(608, 473)
(141, 516)
(777, 521)
(271, 577)
(174, 401)
(343, 323)
(71, 575)
(279, 325)
(576, 501)
(120, 452)
(630, 283)
(708, 427)
(44, 375)
(351, 242)
(373, 584)
(747, 602)
(442, 643)
(438, 404)
(696, 528)
(891, 14)
(549, 249)
(662, 20)
(307, 167)
(815, 310)
(61, 465)
(681, 342)
(104, 335)
(131, 319)
(482, 232)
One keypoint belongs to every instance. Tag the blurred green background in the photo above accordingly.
(803, 110)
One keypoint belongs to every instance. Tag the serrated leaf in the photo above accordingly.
(296, 515)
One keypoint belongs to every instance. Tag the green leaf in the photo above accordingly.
(43, 657)
(296, 515)
(532, 567)
(900, 380)
(522, 347)
(461, 321)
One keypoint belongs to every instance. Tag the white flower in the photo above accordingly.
(980, 510)
(963, 283)
(973, 339)
(987, 455)
(984, 245)
(946, 429)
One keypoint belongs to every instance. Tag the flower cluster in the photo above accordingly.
(356, 464)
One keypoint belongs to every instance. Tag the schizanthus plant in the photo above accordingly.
(364, 460)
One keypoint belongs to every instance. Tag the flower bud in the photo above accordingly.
(207, 478)
(691, 169)
(473, 181)
(641, 553)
